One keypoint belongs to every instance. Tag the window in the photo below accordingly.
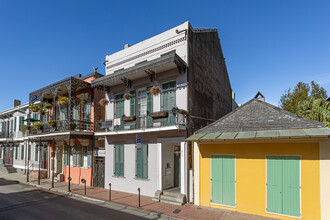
(16, 152)
(36, 153)
(132, 104)
(85, 156)
(283, 185)
(15, 123)
(223, 179)
(22, 152)
(119, 160)
(169, 101)
(119, 110)
(142, 161)
(21, 122)
(73, 157)
(79, 152)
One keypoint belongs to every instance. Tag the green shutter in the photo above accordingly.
(223, 179)
(79, 155)
(119, 110)
(142, 162)
(89, 156)
(65, 155)
(132, 104)
(74, 156)
(119, 160)
(169, 101)
(283, 185)
(22, 152)
(149, 109)
(15, 123)
(29, 152)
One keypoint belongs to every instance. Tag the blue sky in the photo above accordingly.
(269, 46)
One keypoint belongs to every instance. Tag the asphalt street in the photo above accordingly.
(19, 201)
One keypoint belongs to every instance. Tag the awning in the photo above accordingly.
(268, 134)
(165, 62)
(31, 120)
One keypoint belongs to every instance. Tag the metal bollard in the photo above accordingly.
(139, 196)
(109, 191)
(84, 181)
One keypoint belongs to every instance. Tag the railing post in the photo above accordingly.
(109, 191)
(139, 196)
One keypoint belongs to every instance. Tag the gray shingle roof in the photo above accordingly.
(258, 119)
(256, 115)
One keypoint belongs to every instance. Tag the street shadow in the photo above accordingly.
(4, 182)
(39, 204)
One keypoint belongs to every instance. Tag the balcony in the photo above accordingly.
(63, 126)
(169, 119)
(11, 134)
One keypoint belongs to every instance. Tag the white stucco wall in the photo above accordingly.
(149, 49)
(325, 179)
(196, 174)
(129, 183)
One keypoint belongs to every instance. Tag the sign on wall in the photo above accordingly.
(116, 121)
(138, 142)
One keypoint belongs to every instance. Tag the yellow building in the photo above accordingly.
(262, 160)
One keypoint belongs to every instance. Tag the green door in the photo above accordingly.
(223, 181)
(283, 185)
(177, 170)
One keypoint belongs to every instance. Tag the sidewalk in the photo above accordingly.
(187, 211)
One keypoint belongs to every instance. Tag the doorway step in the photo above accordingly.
(7, 168)
(171, 196)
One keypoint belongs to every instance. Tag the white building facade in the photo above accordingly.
(147, 115)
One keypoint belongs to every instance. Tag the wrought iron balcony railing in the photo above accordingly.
(63, 125)
(141, 122)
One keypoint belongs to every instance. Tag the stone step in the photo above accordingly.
(171, 202)
(169, 193)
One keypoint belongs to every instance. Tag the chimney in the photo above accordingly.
(126, 46)
(16, 103)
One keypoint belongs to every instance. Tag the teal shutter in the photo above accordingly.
(119, 110)
(21, 122)
(74, 156)
(29, 152)
(223, 179)
(65, 155)
(119, 160)
(89, 156)
(149, 109)
(283, 185)
(169, 101)
(132, 104)
(22, 152)
(79, 155)
(142, 162)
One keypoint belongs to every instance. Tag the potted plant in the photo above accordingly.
(42, 111)
(129, 118)
(48, 105)
(38, 126)
(51, 123)
(157, 115)
(103, 102)
(155, 90)
(83, 98)
(128, 96)
(34, 108)
(25, 128)
(62, 100)
(182, 112)
(73, 126)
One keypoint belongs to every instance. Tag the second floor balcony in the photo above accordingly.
(162, 120)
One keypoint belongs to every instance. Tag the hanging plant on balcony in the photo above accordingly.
(25, 128)
(38, 126)
(51, 124)
(34, 108)
(42, 111)
(128, 96)
(48, 105)
(83, 98)
(62, 100)
(103, 102)
(160, 114)
(129, 118)
(155, 90)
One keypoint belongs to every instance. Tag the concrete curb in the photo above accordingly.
(107, 204)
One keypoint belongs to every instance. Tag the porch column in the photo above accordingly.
(184, 156)
(160, 166)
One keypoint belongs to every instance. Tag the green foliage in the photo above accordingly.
(62, 100)
(38, 125)
(51, 123)
(24, 128)
(307, 101)
(34, 108)
(48, 105)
